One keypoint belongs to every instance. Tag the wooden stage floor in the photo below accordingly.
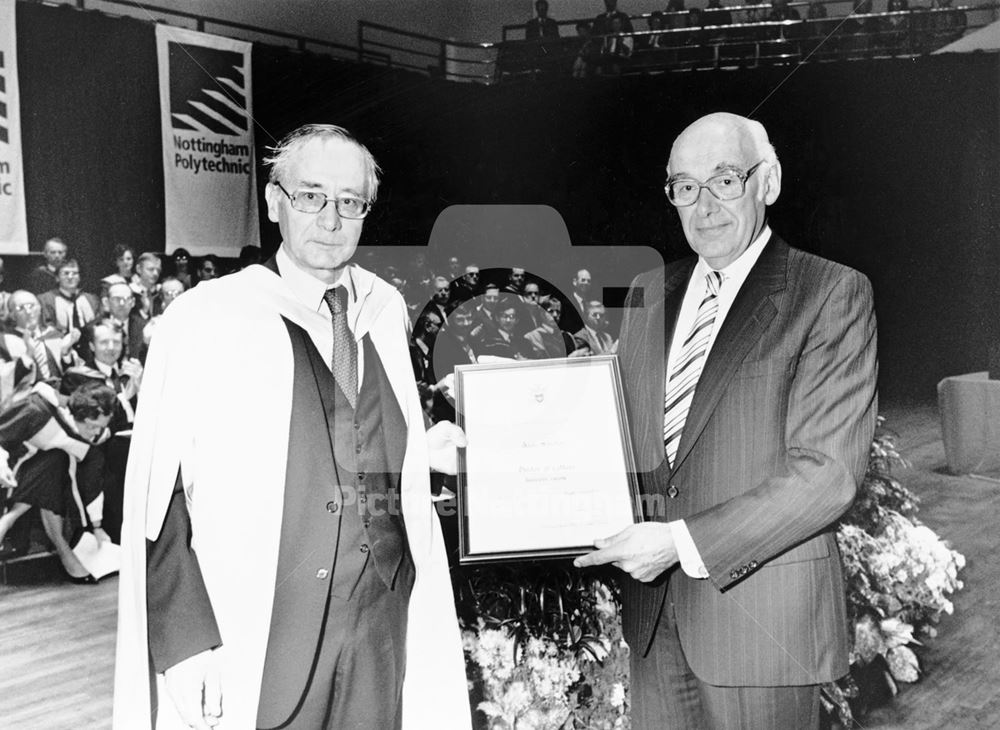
(57, 647)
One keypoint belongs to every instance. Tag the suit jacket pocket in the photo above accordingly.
(812, 549)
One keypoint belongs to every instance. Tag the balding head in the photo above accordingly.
(735, 148)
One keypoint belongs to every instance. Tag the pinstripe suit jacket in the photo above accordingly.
(773, 448)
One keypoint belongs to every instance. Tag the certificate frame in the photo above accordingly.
(481, 486)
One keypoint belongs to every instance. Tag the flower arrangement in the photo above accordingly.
(544, 647)
(544, 644)
(899, 576)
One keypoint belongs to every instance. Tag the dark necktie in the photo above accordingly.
(345, 349)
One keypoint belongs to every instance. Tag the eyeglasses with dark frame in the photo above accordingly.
(350, 207)
(728, 185)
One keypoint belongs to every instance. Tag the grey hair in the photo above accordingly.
(281, 153)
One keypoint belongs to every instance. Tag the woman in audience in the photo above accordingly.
(124, 267)
(48, 461)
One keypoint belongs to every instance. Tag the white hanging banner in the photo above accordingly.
(206, 121)
(13, 228)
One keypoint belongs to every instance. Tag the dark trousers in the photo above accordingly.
(357, 683)
(666, 694)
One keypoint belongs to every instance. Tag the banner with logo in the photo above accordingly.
(13, 227)
(206, 118)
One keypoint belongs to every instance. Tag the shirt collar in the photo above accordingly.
(106, 369)
(308, 289)
(736, 273)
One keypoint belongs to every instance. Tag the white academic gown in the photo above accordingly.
(216, 398)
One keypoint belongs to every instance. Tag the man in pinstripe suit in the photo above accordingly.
(752, 420)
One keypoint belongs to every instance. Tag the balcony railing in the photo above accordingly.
(903, 33)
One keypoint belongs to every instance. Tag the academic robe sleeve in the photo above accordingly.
(181, 620)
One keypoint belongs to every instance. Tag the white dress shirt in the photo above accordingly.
(733, 277)
(311, 292)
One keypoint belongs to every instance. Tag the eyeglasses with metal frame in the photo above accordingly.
(727, 185)
(350, 207)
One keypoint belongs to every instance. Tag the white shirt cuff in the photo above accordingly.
(691, 561)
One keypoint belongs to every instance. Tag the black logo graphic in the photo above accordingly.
(208, 90)
(4, 134)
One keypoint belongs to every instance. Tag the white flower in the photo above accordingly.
(617, 698)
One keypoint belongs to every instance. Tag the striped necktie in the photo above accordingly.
(345, 349)
(41, 358)
(684, 378)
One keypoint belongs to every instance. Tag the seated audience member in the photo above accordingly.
(453, 268)
(47, 456)
(146, 283)
(755, 11)
(249, 255)
(781, 11)
(4, 296)
(656, 39)
(170, 289)
(43, 278)
(715, 14)
(515, 281)
(507, 338)
(602, 24)
(485, 312)
(120, 304)
(859, 36)
(615, 49)
(532, 293)
(532, 298)
(124, 259)
(584, 63)
(948, 23)
(696, 52)
(467, 286)
(454, 345)
(896, 28)
(422, 345)
(182, 261)
(66, 307)
(818, 33)
(32, 352)
(124, 376)
(594, 334)
(419, 272)
(546, 339)
(441, 301)
(208, 269)
(579, 296)
(541, 26)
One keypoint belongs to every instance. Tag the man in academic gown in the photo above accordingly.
(285, 587)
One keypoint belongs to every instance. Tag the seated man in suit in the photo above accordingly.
(146, 283)
(43, 278)
(120, 304)
(124, 376)
(594, 333)
(66, 307)
(749, 372)
(33, 352)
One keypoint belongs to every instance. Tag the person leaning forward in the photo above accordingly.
(284, 587)
(752, 418)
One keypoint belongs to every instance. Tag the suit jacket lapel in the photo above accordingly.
(650, 365)
(747, 319)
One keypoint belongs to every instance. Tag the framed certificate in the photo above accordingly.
(549, 465)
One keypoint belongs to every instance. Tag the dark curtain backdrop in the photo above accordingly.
(889, 166)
